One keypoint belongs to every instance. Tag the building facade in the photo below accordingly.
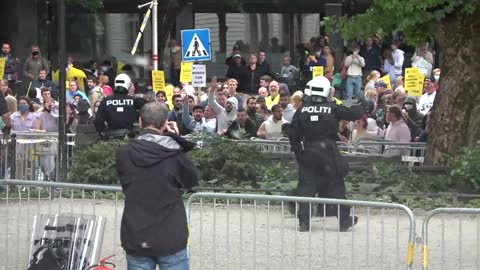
(111, 31)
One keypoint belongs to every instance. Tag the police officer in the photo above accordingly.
(321, 168)
(118, 111)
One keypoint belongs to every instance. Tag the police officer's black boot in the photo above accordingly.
(304, 227)
(347, 222)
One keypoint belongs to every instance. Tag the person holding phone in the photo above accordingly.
(154, 171)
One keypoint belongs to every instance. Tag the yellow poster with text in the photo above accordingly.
(158, 80)
(2, 66)
(186, 72)
(386, 79)
(414, 82)
(169, 94)
(317, 71)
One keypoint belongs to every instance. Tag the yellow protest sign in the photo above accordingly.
(3, 60)
(120, 66)
(186, 72)
(414, 82)
(317, 71)
(169, 95)
(158, 80)
(386, 79)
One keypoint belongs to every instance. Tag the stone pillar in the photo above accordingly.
(334, 9)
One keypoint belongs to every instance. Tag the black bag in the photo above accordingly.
(51, 259)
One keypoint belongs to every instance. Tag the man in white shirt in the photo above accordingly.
(426, 100)
(271, 129)
(354, 64)
(288, 109)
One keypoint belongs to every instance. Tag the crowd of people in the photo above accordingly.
(253, 100)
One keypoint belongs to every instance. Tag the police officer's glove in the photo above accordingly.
(131, 134)
(6, 130)
(103, 136)
(298, 157)
(365, 106)
(361, 102)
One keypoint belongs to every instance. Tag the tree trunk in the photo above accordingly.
(222, 30)
(455, 116)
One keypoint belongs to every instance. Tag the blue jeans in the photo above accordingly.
(178, 261)
(354, 86)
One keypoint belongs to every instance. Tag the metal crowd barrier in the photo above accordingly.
(457, 248)
(282, 145)
(410, 151)
(254, 231)
(32, 155)
(269, 146)
(243, 231)
(21, 200)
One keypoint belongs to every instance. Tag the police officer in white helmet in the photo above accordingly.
(321, 168)
(118, 112)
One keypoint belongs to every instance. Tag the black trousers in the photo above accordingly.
(321, 171)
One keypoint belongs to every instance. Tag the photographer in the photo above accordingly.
(154, 170)
(354, 64)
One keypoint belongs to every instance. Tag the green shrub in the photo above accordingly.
(222, 163)
(465, 169)
(225, 163)
(95, 164)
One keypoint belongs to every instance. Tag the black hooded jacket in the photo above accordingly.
(153, 171)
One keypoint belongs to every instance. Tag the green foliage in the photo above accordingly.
(413, 17)
(95, 164)
(390, 178)
(465, 168)
(228, 163)
(231, 5)
(90, 5)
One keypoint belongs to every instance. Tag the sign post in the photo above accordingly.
(154, 10)
(196, 45)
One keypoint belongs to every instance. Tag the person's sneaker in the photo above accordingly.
(347, 223)
(304, 227)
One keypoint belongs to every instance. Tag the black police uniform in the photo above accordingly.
(4, 110)
(321, 167)
(119, 111)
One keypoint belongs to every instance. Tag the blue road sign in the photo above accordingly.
(196, 45)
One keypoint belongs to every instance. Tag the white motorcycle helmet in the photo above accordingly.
(318, 87)
(122, 83)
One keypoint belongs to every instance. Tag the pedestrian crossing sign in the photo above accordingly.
(196, 45)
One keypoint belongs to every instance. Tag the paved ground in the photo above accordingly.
(244, 237)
